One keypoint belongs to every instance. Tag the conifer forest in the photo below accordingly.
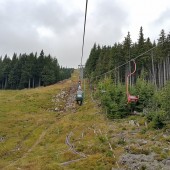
(30, 71)
(109, 66)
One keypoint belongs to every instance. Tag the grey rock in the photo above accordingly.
(2, 139)
(132, 122)
(135, 162)
(168, 163)
(56, 109)
(142, 142)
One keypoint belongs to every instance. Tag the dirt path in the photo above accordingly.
(36, 143)
(30, 150)
(68, 143)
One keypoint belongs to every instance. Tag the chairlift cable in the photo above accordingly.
(121, 65)
(84, 31)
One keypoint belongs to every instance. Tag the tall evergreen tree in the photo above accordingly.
(5, 71)
(93, 58)
(13, 73)
(40, 65)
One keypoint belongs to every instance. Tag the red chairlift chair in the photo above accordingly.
(130, 98)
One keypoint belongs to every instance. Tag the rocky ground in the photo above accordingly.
(142, 161)
(142, 151)
(65, 100)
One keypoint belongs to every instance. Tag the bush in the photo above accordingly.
(146, 92)
(113, 99)
(156, 119)
(165, 99)
(150, 116)
(160, 107)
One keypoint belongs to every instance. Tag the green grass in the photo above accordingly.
(34, 135)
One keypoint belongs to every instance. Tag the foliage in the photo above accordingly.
(29, 71)
(159, 107)
(165, 99)
(149, 81)
(105, 58)
(145, 91)
(156, 119)
(113, 98)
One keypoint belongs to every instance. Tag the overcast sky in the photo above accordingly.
(56, 26)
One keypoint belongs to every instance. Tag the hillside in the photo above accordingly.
(43, 128)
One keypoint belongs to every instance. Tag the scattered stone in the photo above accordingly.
(56, 109)
(137, 124)
(2, 139)
(141, 161)
(157, 143)
(136, 113)
(165, 135)
(132, 122)
(167, 163)
(134, 132)
(142, 142)
(166, 150)
(65, 100)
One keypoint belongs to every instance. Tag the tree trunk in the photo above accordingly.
(153, 71)
(161, 73)
(33, 85)
(164, 72)
(39, 84)
(159, 76)
(167, 77)
(130, 78)
(156, 75)
(168, 68)
(29, 83)
(118, 78)
(6, 80)
(115, 76)
(126, 72)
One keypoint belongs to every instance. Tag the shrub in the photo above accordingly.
(146, 92)
(165, 99)
(113, 99)
(156, 119)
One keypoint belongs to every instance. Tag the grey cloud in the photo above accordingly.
(50, 14)
(165, 16)
(162, 22)
(109, 18)
(20, 20)
(106, 20)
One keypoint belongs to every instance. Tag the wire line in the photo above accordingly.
(84, 31)
(128, 61)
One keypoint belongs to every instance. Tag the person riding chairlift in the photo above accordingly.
(79, 85)
(79, 96)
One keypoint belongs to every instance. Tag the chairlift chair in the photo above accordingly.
(79, 97)
(130, 98)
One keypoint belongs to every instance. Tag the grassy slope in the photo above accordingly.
(32, 137)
